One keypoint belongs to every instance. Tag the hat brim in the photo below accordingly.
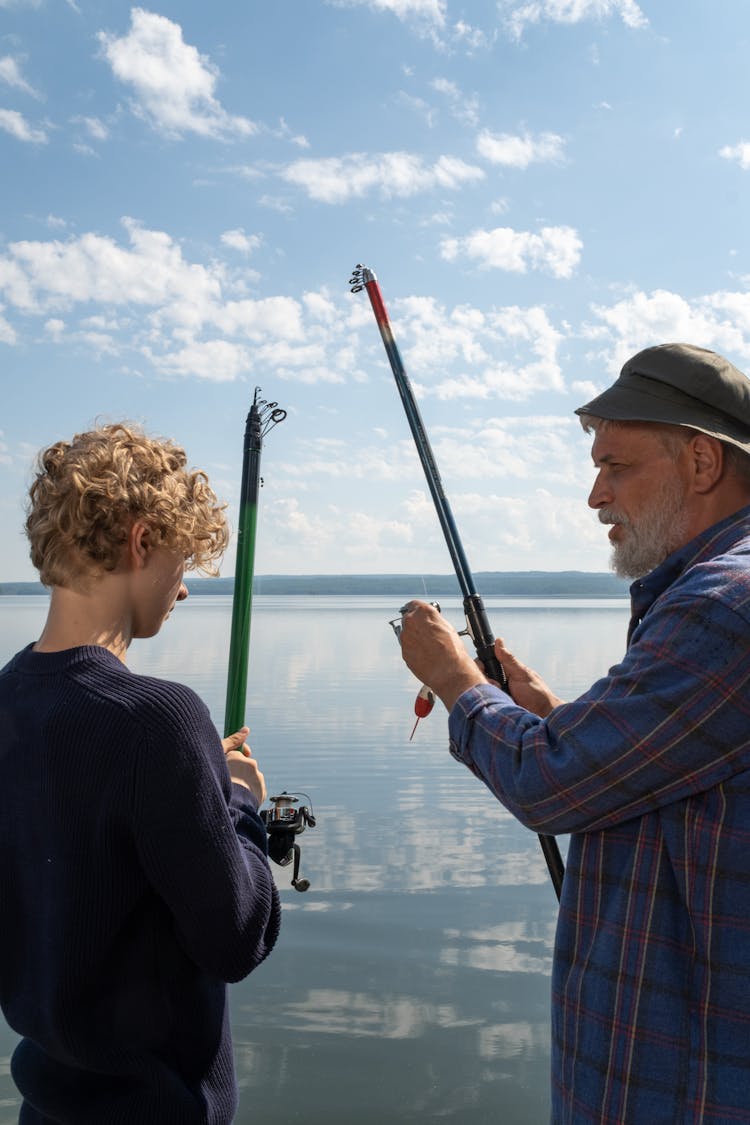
(645, 400)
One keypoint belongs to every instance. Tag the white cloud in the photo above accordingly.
(17, 125)
(739, 153)
(404, 9)
(174, 84)
(527, 345)
(94, 126)
(279, 317)
(337, 179)
(569, 11)
(218, 361)
(464, 108)
(91, 267)
(436, 219)
(524, 448)
(720, 321)
(238, 240)
(285, 133)
(465, 352)
(520, 151)
(429, 18)
(308, 363)
(7, 332)
(435, 337)
(418, 106)
(10, 73)
(320, 307)
(555, 250)
(148, 299)
(473, 38)
(511, 532)
(247, 171)
(275, 203)
(55, 328)
(584, 389)
(428, 13)
(323, 457)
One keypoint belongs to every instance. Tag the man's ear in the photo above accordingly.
(139, 543)
(707, 462)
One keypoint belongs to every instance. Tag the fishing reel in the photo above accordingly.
(396, 623)
(283, 822)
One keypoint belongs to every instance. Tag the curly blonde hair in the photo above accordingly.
(88, 492)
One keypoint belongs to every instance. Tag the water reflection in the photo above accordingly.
(338, 1012)
(511, 947)
(384, 1009)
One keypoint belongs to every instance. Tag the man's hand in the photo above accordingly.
(436, 654)
(524, 686)
(243, 769)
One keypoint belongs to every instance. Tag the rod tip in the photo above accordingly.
(361, 276)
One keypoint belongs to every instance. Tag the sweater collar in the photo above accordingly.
(50, 663)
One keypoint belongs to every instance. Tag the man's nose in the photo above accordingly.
(182, 593)
(600, 495)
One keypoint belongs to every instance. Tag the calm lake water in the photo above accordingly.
(411, 982)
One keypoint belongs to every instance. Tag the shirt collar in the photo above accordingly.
(710, 543)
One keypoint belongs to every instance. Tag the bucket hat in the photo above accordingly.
(683, 386)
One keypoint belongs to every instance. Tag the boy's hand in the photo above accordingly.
(243, 768)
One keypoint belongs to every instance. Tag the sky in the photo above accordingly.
(542, 187)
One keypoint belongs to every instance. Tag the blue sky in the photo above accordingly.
(543, 187)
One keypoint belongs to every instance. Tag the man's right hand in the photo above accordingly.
(525, 687)
(435, 653)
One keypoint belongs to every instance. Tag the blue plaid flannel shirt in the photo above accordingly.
(649, 771)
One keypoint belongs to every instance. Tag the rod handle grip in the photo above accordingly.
(480, 631)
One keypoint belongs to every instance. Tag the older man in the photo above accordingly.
(649, 770)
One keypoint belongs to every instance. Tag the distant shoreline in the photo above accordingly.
(508, 584)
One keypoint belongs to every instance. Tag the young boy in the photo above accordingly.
(133, 874)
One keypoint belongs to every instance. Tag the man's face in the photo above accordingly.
(640, 489)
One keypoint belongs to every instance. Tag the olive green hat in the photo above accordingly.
(683, 386)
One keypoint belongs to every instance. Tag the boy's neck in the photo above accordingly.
(94, 616)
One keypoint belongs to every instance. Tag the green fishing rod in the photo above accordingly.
(477, 624)
(284, 821)
(263, 416)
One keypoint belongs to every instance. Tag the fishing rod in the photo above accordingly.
(283, 820)
(263, 416)
(477, 623)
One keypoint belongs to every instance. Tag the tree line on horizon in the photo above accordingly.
(528, 583)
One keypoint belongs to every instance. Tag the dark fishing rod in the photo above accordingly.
(283, 820)
(477, 623)
(263, 416)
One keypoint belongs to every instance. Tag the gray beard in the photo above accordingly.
(659, 529)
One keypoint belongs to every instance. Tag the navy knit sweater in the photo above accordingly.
(133, 885)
